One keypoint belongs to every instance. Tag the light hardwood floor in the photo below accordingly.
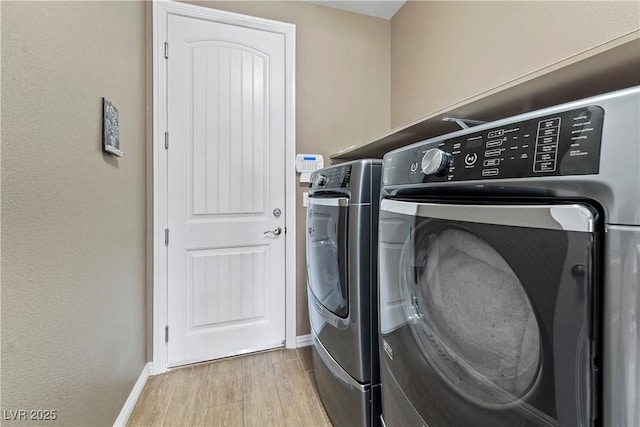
(274, 388)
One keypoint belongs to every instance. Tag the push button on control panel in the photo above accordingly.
(495, 133)
(470, 159)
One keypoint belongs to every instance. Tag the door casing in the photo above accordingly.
(161, 10)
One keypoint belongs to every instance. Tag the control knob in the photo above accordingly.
(435, 162)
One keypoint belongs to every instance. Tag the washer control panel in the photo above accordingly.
(567, 143)
(333, 177)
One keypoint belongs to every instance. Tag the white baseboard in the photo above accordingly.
(127, 409)
(303, 340)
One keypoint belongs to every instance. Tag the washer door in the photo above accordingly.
(486, 312)
(327, 221)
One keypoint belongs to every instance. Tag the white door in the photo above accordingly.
(226, 190)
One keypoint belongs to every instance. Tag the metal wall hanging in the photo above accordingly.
(110, 129)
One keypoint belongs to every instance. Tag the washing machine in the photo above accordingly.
(509, 271)
(342, 223)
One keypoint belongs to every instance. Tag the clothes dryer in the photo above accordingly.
(509, 271)
(342, 224)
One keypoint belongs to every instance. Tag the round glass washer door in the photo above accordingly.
(470, 315)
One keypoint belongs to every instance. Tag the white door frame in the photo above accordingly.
(161, 11)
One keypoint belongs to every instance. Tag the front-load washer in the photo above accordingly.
(509, 271)
(342, 222)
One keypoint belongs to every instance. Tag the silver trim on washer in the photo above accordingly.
(329, 201)
(335, 366)
(569, 217)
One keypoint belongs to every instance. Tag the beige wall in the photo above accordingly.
(73, 218)
(443, 52)
(342, 89)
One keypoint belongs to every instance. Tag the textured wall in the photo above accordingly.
(342, 89)
(73, 219)
(443, 52)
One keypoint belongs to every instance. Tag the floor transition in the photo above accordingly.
(274, 388)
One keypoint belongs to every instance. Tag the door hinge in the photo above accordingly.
(166, 50)
(166, 237)
(166, 333)
(166, 140)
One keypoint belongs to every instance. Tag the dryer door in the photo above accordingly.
(486, 312)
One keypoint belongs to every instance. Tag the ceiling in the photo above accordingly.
(380, 9)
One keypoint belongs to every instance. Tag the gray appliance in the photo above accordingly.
(510, 270)
(342, 222)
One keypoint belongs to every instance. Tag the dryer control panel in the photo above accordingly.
(567, 143)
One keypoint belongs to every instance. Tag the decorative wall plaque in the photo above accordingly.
(110, 129)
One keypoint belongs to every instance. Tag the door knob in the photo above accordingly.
(276, 231)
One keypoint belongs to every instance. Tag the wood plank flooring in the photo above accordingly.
(274, 388)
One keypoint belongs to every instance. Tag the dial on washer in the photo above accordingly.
(435, 162)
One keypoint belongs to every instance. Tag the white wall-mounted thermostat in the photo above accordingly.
(307, 163)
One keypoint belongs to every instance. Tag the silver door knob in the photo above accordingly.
(276, 231)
